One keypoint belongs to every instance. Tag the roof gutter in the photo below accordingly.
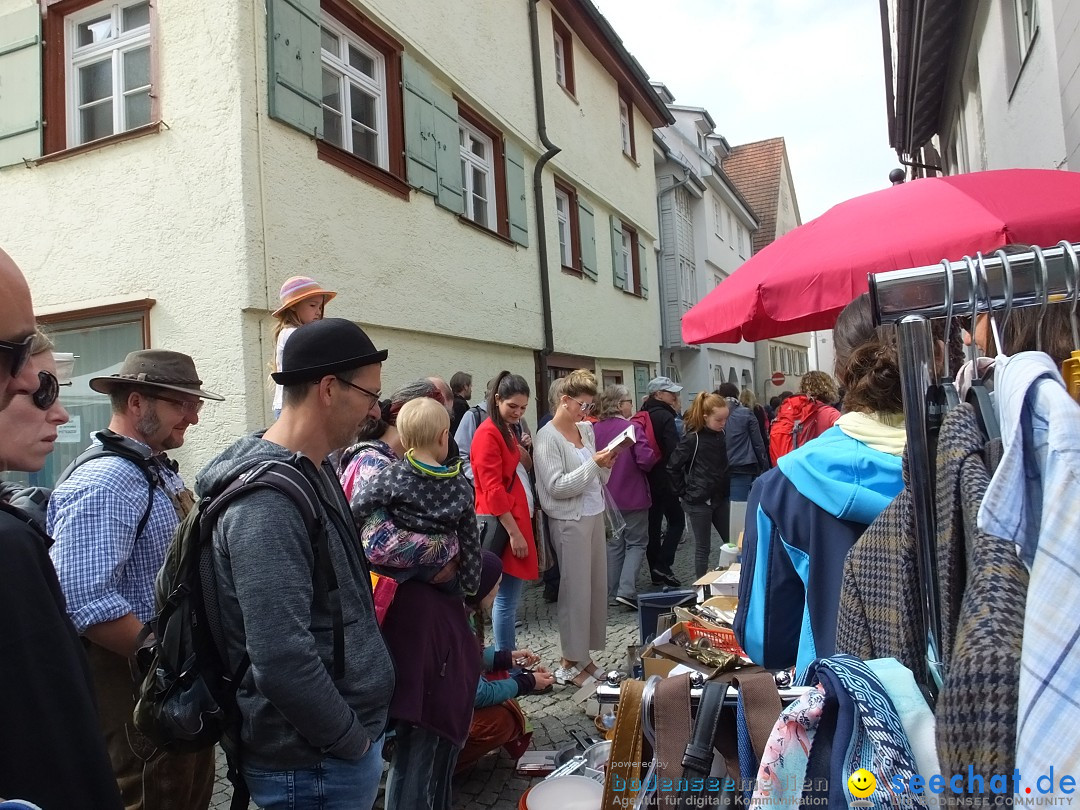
(538, 195)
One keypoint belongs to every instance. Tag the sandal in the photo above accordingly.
(572, 675)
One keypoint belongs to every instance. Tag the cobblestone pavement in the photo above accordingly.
(492, 784)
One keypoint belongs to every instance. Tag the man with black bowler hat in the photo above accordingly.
(309, 737)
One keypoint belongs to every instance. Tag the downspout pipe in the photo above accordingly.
(538, 201)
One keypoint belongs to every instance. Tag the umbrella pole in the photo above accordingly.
(918, 379)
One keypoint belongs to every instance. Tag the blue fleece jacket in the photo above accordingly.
(802, 518)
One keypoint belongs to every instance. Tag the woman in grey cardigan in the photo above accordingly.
(569, 476)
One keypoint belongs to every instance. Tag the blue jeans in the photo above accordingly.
(333, 784)
(740, 486)
(504, 613)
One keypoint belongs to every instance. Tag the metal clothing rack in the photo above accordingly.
(607, 691)
(910, 299)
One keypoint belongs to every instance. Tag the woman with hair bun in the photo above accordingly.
(806, 513)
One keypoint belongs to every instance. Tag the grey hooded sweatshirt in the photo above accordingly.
(294, 713)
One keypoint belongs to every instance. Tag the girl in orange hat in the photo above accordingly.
(302, 301)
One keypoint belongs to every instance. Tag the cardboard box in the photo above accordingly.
(661, 657)
(719, 583)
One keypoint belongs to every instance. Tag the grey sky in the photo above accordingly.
(808, 70)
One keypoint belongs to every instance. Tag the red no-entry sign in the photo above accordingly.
(778, 379)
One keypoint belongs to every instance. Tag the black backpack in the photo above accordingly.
(187, 698)
(113, 444)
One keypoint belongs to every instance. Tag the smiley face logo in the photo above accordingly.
(862, 783)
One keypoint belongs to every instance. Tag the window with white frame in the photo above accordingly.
(626, 258)
(1027, 23)
(354, 94)
(108, 64)
(624, 126)
(742, 244)
(730, 227)
(477, 174)
(560, 59)
(562, 213)
(717, 218)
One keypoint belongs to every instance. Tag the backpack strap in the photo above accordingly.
(113, 444)
(297, 487)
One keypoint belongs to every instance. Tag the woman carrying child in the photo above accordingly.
(303, 300)
(425, 627)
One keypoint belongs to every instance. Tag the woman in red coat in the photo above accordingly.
(495, 454)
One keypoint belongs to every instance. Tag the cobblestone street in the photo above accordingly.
(492, 782)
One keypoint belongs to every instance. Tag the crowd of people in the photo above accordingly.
(454, 503)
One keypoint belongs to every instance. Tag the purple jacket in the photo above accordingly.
(628, 486)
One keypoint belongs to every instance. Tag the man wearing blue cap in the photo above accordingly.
(313, 701)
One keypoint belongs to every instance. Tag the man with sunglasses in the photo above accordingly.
(314, 700)
(51, 749)
(16, 333)
(113, 516)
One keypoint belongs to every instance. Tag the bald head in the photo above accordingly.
(444, 390)
(16, 324)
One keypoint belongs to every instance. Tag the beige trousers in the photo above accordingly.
(582, 554)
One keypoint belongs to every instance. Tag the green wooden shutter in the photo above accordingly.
(618, 271)
(447, 151)
(294, 39)
(587, 227)
(518, 212)
(20, 85)
(643, 268)
(420, 146)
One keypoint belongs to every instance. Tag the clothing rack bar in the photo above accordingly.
(922, 290)
(608, 695)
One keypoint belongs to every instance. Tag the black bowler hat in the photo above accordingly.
(324, 347)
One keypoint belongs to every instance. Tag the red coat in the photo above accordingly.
(499, 490)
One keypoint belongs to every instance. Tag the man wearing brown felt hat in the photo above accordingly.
(113, 516)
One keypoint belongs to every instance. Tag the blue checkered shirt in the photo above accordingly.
(1032, 501)
(104, 570)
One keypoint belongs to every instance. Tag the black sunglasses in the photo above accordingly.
(20, 353)
(48, 390)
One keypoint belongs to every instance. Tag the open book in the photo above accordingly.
(623, 440)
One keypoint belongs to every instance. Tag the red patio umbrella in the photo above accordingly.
(803, 279)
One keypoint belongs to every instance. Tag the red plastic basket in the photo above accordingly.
(720, 639)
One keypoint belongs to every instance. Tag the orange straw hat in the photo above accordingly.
(299, 288)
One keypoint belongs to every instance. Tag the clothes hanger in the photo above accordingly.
(1070, 367)
(946, 394)
(978, 395)
(1042, 292)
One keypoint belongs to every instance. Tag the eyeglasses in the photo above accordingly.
(586, 407)
(48, 390)
(20, 353)
(621, 401)
(375, 395)
(187, 406)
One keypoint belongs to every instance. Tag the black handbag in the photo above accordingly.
(493, 535)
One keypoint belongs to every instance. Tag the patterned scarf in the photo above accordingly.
(878, 742)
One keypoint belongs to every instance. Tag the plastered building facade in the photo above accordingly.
(182, 160)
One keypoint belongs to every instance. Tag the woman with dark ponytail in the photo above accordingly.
(807, 512)
(495, 453)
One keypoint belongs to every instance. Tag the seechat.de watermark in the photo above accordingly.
(968, 789)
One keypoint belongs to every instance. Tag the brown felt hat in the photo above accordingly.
(156, 368)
